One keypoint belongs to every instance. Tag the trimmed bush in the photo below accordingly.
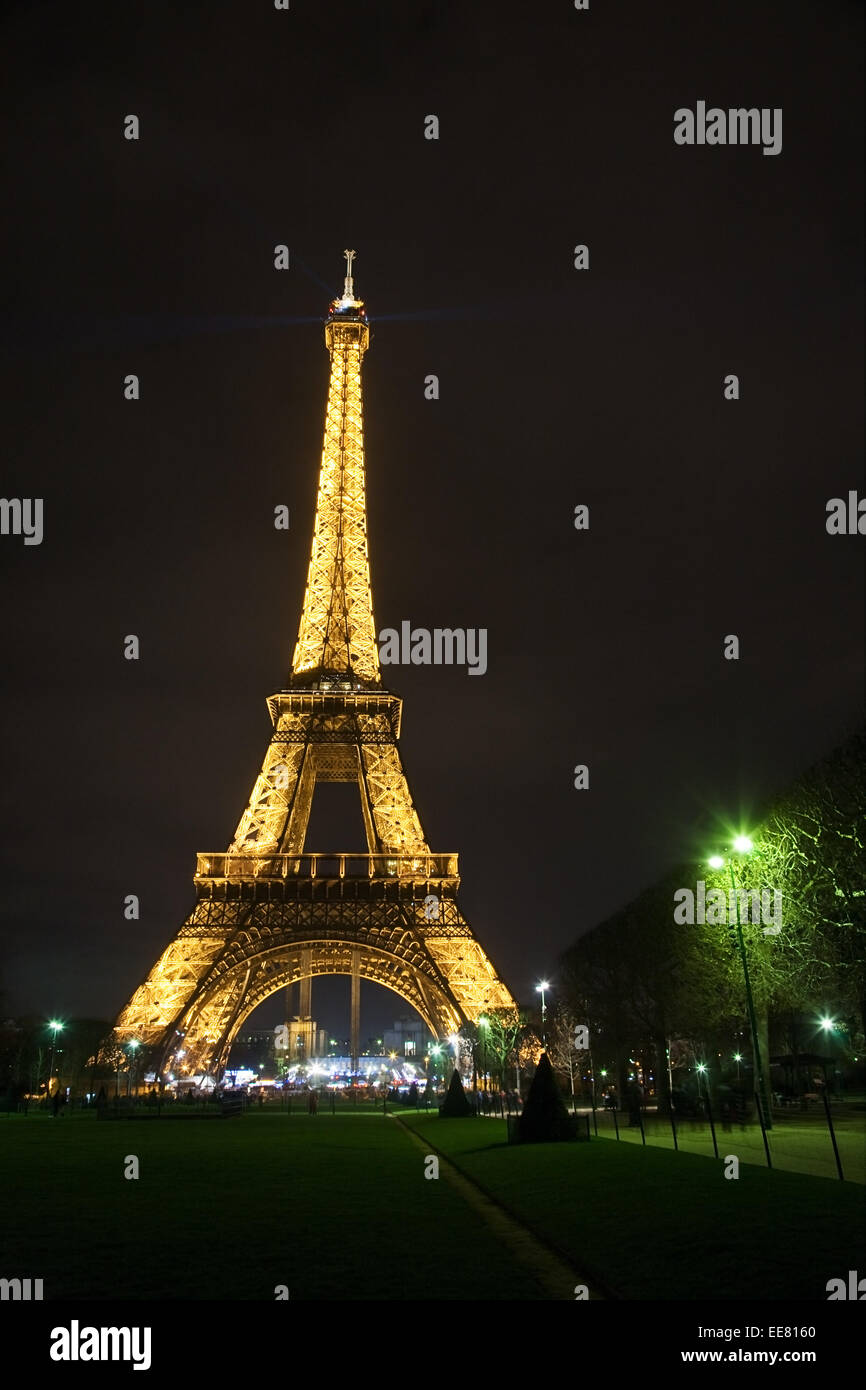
(544, 1118)
(455, 1106)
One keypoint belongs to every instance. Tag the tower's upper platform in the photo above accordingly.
(346, 324)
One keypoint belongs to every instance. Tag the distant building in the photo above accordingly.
(306, 1040)
(410, 1038)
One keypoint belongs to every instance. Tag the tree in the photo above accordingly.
(82, 1039)
(505, 1027)
(812, 843)
(646, 978)
(561, 1045)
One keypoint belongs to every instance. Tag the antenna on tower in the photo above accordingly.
(349, 290)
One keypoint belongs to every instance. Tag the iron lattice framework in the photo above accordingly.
(267, 914)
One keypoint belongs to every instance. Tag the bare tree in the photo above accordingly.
(569, 1044)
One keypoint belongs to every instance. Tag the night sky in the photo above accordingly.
(558, 387)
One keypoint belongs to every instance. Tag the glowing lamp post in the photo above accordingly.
(540, 988)
(829, 1027)
(743, 845)
(56, 1027)
(436, 1053)
(134, 1045)
(454, 1040)
(484, 1025)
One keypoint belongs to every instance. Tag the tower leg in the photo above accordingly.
(305, 1010)
(356, 1010)
(305, 1005)
(286, 1056)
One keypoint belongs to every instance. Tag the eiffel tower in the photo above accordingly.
(268, 913)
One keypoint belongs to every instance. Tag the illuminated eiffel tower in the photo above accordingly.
(267, 913)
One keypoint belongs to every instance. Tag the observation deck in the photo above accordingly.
(325, 875)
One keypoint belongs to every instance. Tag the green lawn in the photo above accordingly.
(335, 1207)
(651, 1224)
(798, 1143)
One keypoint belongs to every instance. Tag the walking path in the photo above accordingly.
(557, 1278)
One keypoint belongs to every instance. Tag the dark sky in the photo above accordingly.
(558, 387)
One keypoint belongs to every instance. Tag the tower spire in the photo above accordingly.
(337, 635)
(349, 289)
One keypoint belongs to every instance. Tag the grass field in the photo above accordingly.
(338, 1208)
(649, 1224)
(798, 1143)
(332, 1207)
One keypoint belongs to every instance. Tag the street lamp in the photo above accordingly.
(134, 1045)
(56, 1027)
(743, 845)
(540, 989)
(436, 1053)
(830, 1027)
(484, 1023)
(454, 1039)
(738, 1057)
